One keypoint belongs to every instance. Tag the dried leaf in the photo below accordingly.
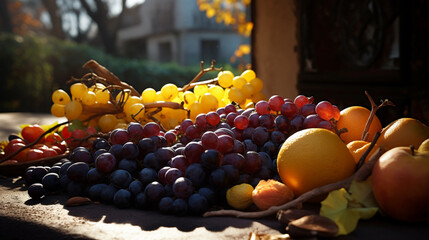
(77, 201)
(346, 208)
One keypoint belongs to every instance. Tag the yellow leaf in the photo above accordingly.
(346, 208)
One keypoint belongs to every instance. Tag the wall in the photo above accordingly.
(274, 46)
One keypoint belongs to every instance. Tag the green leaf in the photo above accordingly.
(75, 124)
(346, 208)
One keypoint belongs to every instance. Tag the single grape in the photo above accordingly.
(164, 155)
(241, 122)
(119, 136)
(147, 145)
(253, 162)
(281, 123)
(130, 150)
(260, 136)
(193, 152)
(262, 107)
(225, 78)
(196, 173)
(296, 123)
(308, 109)
(78, 171)
(230, 118)
(51, 182)
(238, 146)
(275, 102)
(192, 132)
(224, 131)
(232, 174)
(161, 174)
(230, 108)
(185, 124)
(211, 159)
(325, 124)
(94, 176)
(254, 120)
(250, 145)
(197, 204)
(154, 191)
(120, 178)
(171, 175)
(108, 193)
(270, 148)
(165, 205)
(247, 112)
(238, 133)
(226, 144)
(36, 191)
(129, 165)
(218, 178)
(140, 201)
(60, 97)
(95, 190)
(210, 140)
(182, 187)
(105, 162)
(266, 120)
(151, 129)
(301, 100)
(325, 110)
(209, 194)
(289, 110)
(135, 131)
(122, 198)
(336, 113)
(311, 121)
(213, 118)
(180, 162)
(171, 137)
(277, 137)
(100, 143)
(180, 207)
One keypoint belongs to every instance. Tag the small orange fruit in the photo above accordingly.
(271, 193)
(312, 158)
(358, 148)
(354, 119)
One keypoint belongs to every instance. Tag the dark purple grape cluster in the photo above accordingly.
(185, 170)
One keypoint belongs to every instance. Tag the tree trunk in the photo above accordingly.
(6, 21)
(107, 30)
(57, 23)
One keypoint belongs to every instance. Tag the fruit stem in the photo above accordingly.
(200, 74)
(413, 150)
(363, 173)
(374, 109)
(366, 153)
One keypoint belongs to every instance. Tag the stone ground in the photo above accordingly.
(23, 218)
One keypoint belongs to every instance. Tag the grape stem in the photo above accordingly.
(200, 74)
(360, 175)
(34, 142)
(374, 108)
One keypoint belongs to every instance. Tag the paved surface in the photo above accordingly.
(23, 218)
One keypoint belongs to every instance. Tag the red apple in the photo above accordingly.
(400, 182)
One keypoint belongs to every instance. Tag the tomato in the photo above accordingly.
(53, 138)
(21, 156)
(34, 154)
(31, 132)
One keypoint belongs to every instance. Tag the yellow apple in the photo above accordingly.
(400, 182)
(424, 147)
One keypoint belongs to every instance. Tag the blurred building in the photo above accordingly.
(176, 30)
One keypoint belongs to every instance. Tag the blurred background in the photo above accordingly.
(331, 49)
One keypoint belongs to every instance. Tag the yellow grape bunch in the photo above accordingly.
(201, 97)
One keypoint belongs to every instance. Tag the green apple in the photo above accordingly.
(400, 182)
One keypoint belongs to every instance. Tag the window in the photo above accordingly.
(165, 52)
(209, 50)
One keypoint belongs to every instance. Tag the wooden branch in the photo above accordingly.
(200, 74)
(374, 109)
(109, 76)
(360, 175)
